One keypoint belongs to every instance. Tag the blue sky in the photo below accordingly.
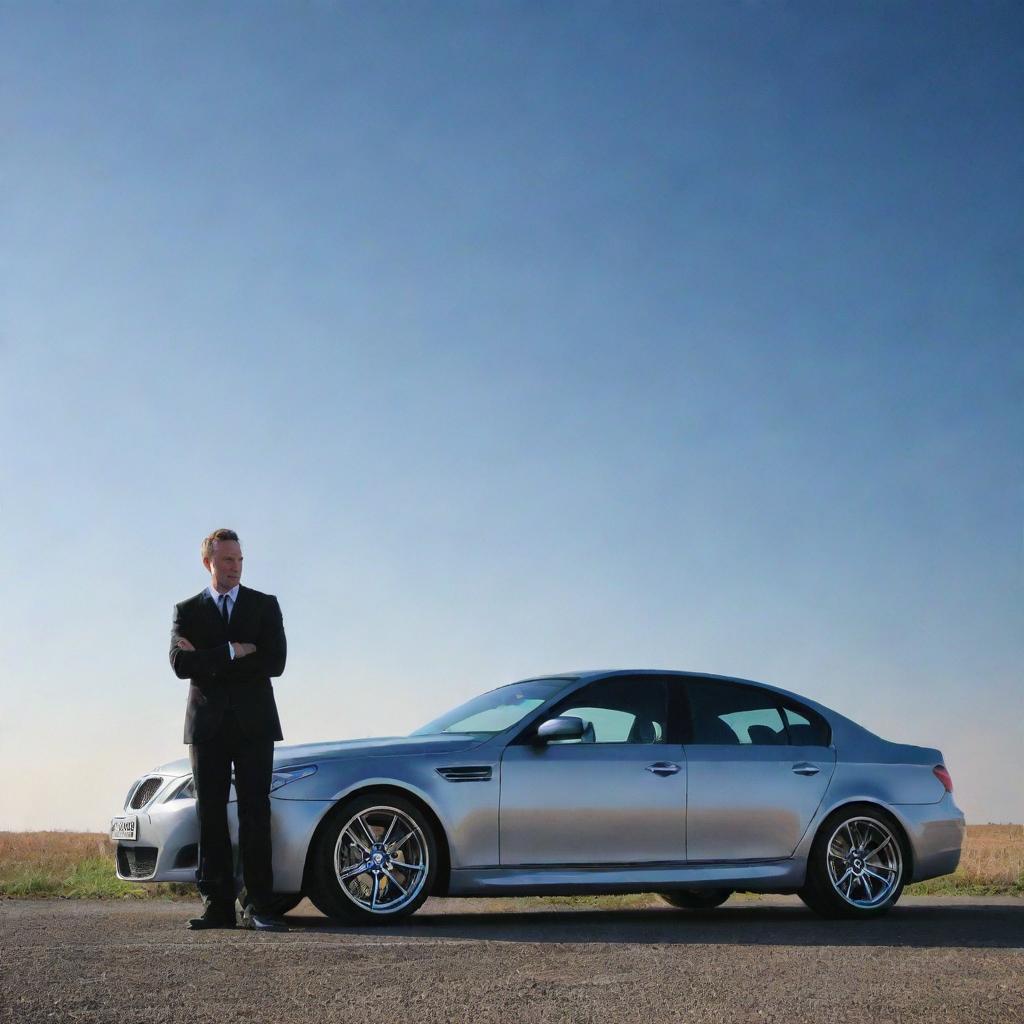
(512, 338)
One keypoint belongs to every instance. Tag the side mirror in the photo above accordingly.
(567, 728)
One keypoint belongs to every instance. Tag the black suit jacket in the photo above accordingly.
(217, 681)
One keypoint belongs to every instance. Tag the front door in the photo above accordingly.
(617, 796)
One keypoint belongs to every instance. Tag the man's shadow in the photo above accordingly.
(978, 924)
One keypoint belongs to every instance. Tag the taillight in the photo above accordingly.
(943, 776)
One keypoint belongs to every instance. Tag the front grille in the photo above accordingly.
(136, 861)
(466, 773)
(146, 791)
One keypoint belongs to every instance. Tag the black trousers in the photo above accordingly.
(211, 771)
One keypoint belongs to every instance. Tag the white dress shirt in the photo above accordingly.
(232, 596)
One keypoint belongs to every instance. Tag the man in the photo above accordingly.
(228, 641)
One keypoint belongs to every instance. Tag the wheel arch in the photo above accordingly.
(892, 812)
(441, 882)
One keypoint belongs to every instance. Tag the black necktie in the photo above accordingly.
(224, 608)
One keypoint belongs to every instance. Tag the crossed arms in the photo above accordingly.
(259, 660)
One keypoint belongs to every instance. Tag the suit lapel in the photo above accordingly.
(242, 611)
(212, 613)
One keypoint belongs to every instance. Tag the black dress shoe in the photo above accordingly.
(260, 922)
(214, 917)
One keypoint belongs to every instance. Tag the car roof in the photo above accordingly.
(603, 673)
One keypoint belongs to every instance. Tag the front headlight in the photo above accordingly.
(186, 790)
(283, 776)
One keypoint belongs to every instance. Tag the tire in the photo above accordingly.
(696, 899)
(391, 839)
(858, 864)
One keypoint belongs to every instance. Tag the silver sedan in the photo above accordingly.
(688, 785)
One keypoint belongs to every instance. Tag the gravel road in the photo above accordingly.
(932, 959)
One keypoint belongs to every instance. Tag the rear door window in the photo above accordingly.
(807, 729)
(729, 715)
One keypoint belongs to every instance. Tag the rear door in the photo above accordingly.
(618, 796)
(757, 769)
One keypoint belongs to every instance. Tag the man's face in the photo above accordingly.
(225, 565)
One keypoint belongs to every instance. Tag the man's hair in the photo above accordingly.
(206, 548)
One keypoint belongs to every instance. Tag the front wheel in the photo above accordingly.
(696, 899)
(375, 860)
(857, 864)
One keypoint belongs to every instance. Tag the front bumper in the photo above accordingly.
(166, 847)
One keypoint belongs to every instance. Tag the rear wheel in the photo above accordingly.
(696, 899)
(375, 860)
(857, 864)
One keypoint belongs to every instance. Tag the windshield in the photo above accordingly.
(493, 712)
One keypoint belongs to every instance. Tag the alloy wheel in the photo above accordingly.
(865, 863)
(381, 859)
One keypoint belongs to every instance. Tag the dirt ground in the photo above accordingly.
(932, 959)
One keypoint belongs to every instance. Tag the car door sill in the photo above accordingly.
(569, 879)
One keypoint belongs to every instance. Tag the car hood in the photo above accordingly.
(386, 746)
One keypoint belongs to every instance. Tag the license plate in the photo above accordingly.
(124, 828)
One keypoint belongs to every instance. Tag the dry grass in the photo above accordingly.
(70, 864)
(52, 851)
(994, 852)
(81, 864)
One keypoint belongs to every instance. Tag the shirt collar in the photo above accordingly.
(232, 595)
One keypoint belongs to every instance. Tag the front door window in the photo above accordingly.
(620, 710)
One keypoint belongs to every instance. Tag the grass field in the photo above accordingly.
(81, 864)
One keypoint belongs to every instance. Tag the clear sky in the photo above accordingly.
(512, 338)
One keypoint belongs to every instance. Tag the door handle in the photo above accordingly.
(804, 768)
(663, 768)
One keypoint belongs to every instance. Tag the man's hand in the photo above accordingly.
(184, 645)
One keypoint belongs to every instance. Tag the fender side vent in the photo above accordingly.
(466, 773)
